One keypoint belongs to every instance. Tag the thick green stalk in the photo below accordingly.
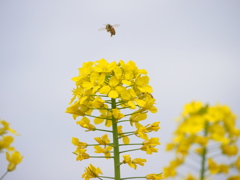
(204, 154)
(115, 145)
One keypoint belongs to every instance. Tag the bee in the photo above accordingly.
(110, 28)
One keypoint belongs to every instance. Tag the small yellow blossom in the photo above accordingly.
(91, 172)
(104, 140)
(106, 150)
(212, 166)
(105, 115)
(14, 159)
(76, 142)
(133, 163)
(81, 154)
(169, 172)
(153, 127)
(141, 132)
(191, 108)
(229, 150)
(6, 142)
(85, 123)
(155, 176)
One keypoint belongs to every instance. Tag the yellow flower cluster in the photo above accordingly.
(202, 130)
(12, 156)
(113, 93)
(115, 80)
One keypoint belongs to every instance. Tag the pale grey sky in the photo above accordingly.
(189, 48)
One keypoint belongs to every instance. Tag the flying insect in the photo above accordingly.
(110, 28)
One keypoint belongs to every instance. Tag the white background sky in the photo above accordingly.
(191, 50)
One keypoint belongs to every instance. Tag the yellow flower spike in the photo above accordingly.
(155, 176)
(104, 89)
(201, 130)
(106, 150)
(14, 159)
(91, 172)
(104, 140)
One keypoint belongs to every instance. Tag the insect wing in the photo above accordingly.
(102, 29)
(116, 25)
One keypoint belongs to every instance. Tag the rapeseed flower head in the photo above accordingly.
(110, 94)
(202, 130)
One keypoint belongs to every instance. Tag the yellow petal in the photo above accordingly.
(113, 94)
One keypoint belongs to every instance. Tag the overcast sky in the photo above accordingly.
(191, 50)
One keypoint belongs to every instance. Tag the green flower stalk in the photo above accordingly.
(120, 95)
(12, 156)
(204, 134)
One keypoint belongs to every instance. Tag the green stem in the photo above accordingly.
(106, 177)
(103, 130)
(204, 154)
(130, 144)
(3, 175)
(101, 156)
(134, 178)
(116, 145)
(126, 132)
(130, 150)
